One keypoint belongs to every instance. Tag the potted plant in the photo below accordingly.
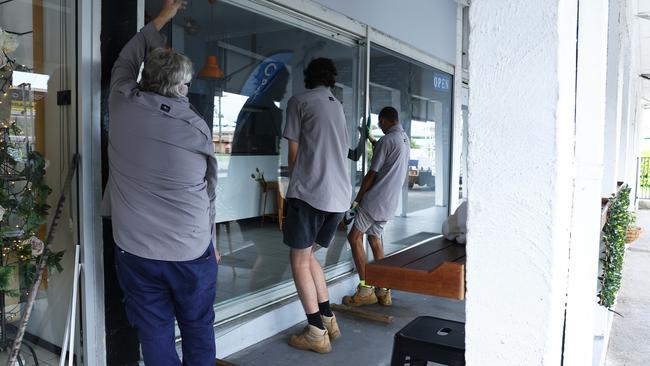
(633, 232)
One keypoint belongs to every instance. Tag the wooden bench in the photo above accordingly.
(435, 267)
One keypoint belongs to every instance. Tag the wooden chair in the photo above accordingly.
(279, 201)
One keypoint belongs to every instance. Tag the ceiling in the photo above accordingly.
(643, 12)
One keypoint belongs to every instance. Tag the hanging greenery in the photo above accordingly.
(614, 231)
(23, 192)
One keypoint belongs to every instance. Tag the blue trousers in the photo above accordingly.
(156, 292)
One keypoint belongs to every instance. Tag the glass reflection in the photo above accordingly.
(262, 61)
(423, 97)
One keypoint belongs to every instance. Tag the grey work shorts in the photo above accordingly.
(366, 224)
(306, 225)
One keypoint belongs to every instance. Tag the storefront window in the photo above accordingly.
(422, 96)
(262, 61)
(37, 63)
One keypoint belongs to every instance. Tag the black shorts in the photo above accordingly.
(306, 225)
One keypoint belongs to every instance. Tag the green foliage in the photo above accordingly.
(644, 176)
(23, 195)
(618, 220)
(644, 170)
(5, 277)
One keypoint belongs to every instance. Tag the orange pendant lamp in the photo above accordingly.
(211, 69)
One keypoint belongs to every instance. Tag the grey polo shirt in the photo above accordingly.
(390, 159)
(161, 185)
(320, 174)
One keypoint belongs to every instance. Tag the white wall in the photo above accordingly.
(631, 145)
(425, 24)
(522, 57)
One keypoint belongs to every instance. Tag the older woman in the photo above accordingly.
(161, 192)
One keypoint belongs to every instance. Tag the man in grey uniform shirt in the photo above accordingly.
(161, 193)
(377, 201)
(319, 192)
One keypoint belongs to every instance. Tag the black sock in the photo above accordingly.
(315, 320)
(324, 308)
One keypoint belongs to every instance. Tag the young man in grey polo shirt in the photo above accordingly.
(318, 194)
(377, 201)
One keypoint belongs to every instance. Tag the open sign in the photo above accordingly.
(441, 82)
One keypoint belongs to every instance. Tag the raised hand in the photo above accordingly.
(169, 10)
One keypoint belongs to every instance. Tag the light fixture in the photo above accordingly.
(211, 69)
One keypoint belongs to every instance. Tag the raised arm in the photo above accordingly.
(127, 66)
(357, 153)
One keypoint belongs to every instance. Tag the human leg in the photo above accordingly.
(355, 238)
(149, 307)
(302, 277)
(315, 336)
(383, 294)
(322, 295)
(376, 246)
(364, 294)
(194, 287)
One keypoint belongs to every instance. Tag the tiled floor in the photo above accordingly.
(364, 342)
(628, 342)
(44, 357)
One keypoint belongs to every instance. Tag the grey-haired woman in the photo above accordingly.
(161, 193)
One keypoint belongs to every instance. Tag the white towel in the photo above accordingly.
(455, 227)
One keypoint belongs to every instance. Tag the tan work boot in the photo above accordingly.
(332, 326)
(312, 338)
(363, 296)
(383, 296)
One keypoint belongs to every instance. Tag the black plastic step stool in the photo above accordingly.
(430, 339)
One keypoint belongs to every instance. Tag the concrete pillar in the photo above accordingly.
(520, 168)
(585, 233)
(614, 86)
(635, 101)
(629, 50)
(623, 158)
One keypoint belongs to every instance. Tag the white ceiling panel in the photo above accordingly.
(643, 7)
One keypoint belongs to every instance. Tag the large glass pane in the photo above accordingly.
(262, 60)
(37, 60)
(423, 97)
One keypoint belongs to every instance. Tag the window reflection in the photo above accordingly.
(422, 95)
(262, 60)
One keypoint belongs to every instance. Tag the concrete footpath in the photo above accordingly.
(364, 342)
(629, 343)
